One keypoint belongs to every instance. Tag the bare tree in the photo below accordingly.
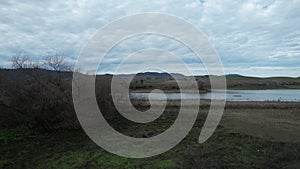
(21, 61)
(57, 62)
(45, 95)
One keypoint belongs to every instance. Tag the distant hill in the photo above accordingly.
(164, 74)
(156, 79)
(234, 75)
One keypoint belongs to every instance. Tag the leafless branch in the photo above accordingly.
(57, 62)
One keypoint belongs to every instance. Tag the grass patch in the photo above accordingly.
(98, 158)
(84, 159)
(166, 164)
(13, 135)
(226, 148)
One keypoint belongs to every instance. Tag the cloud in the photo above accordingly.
(245, 33)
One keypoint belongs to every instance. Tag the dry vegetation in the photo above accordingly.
(41, 97)
(38, 125)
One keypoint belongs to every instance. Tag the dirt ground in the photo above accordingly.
(279, 125)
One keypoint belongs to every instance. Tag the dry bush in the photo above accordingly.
(41, 97)
(43, 100)
(104, 98)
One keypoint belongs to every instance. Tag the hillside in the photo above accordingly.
(152, 80)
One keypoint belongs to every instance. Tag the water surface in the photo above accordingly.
(232, 95)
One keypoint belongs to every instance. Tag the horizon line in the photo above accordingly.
(126, 74)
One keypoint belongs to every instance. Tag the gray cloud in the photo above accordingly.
(263, 35)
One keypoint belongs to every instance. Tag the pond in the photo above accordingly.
(232, 95)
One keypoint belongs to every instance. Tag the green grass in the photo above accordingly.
(227, 149)
(98, 158)
(15, 134)
(73, 149)
(84, 158)
(166, 164)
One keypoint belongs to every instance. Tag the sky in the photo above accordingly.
(251, 37)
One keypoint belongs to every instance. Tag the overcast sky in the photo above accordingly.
(256, 38)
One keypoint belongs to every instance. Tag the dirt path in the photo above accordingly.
(278, 124)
